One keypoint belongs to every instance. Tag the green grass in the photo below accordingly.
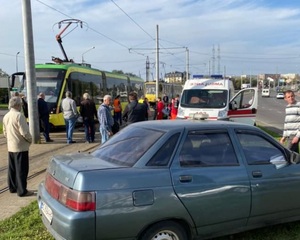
(4, 106)
(275, 135)
(24, 225)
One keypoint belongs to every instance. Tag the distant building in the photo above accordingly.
(175, 77)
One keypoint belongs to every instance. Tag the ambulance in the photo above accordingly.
(215, 97)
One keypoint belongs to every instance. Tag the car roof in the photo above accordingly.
(176, 124)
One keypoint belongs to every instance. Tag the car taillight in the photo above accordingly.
(75, 200)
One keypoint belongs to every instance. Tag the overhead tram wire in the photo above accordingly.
(132, 20)
(53, 8)
(96, 31)
(107, 37)
(144, 30)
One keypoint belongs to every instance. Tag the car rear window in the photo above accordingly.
(128, 146)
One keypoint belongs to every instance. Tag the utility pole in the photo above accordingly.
(157, 60)
(213, 60)
(17, 61)
(30, 71)
(82, 59)
(147, 69)
(187, 64)
(219, 60)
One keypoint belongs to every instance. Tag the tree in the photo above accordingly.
(118, 71)
(121, 72)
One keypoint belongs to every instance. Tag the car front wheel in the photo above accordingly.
(167, 230)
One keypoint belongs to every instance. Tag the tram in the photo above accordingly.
(170, 89)
(55, 79)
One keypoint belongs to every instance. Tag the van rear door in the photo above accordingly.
(243, 106)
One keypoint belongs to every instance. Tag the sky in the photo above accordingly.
(229, 37)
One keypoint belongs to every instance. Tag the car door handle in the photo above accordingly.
(185, 178)
(256, 174)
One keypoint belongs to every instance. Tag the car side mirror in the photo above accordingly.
(294, 158)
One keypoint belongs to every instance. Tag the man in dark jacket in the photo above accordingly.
(44, 116)
(88, 112)
(134, 111)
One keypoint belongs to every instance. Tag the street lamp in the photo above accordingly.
(82, 60)
(17, 61)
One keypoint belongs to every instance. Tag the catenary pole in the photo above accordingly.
(30, 71)
(157, 61)
(187, 64)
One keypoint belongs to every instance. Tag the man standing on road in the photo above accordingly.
(291, 129)
(105, 118)
(88, 112)
(134, 111)
(18, 137)
(70, 113)
(44, 116)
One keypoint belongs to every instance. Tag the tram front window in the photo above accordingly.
(49, 81)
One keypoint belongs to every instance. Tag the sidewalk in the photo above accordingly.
(11, 203)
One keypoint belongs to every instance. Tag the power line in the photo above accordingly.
(92, 29)
(136, 51)
(133, 20)
(146, 32)
(54, 9)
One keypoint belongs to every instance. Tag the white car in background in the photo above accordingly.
(280, 95)
(265, 92)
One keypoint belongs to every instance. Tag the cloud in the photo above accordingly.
(247, 36)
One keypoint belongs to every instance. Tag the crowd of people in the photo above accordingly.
(166, 109)
(110, 114)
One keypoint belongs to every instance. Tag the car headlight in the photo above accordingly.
(180, 113)
(222, 114)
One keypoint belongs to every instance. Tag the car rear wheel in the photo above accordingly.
(167, 230)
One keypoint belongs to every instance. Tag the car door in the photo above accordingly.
(275, 188)
(243, 106)
(210, 181)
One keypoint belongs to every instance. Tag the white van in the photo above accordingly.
(265, 92)
(215, 97)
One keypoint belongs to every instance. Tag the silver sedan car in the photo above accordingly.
(172, 180)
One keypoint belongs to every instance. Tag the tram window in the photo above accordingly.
(79, 83)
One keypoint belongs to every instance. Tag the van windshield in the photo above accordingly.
(204, 98)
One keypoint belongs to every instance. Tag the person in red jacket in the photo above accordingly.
(174, 108)
(159, 107)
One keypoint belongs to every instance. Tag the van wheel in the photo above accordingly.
(167, 230)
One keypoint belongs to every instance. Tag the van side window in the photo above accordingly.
(244, 99)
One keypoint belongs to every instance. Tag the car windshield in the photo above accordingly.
(128, 146)
(204, 98)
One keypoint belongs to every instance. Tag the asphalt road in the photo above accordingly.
(271, 112)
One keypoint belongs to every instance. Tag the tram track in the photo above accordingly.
(39, 161)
